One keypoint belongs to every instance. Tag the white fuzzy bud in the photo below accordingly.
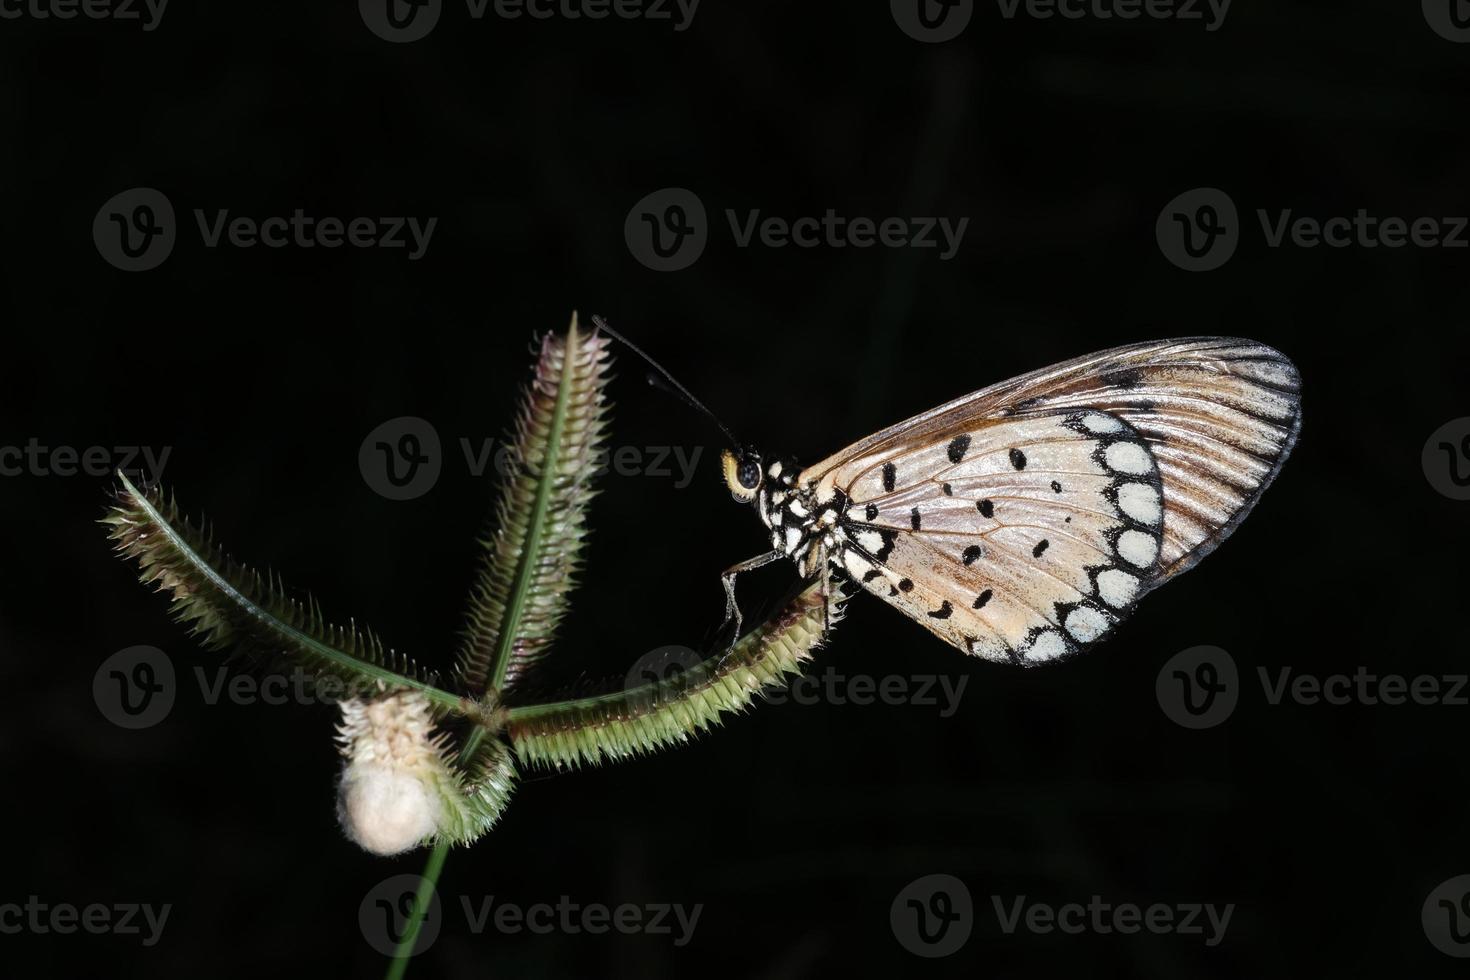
(387, 800)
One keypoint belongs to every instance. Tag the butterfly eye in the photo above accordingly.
(742, 475)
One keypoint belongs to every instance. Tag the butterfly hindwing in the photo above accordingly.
(1024, 539)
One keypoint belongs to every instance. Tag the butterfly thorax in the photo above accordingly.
(803, 517)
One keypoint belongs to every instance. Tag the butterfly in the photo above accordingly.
(1022, 523)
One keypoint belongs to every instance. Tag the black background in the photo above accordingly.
(795, 826)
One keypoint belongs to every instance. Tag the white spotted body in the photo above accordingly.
(1022, 523)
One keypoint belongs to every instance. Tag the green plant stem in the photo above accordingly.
(428, 880)
(509, 629)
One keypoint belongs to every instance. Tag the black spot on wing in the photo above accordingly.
(986, 508)
(890, 476)
(943, 612)
(1124, 379)
(982, 599)
(1022, 405)
(906, 585)
(958, 447)
(914, 519)
(972, 554)
(1018, 459)
(1040, 548)
(871, 511)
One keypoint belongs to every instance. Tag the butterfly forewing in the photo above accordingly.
(1023, 521)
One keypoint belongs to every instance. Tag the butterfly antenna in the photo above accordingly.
(663, 379)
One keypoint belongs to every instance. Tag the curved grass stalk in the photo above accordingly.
(664, 713)
(528, 570)
(230, 606)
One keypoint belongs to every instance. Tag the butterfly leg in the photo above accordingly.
(826, 597)
(727, 578)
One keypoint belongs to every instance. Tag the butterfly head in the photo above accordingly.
(742, 474)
